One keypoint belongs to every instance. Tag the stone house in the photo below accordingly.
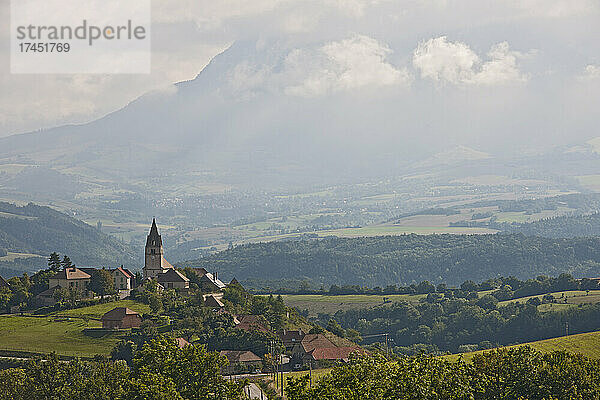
(70, 278)
(123, 279)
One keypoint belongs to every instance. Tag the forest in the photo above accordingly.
(403, 260)
(42, 230)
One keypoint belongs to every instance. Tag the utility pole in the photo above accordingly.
(387, 349)
(567, 328)
(310, 373)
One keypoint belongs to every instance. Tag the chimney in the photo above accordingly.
(216, 275)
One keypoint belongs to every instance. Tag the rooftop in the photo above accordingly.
(117, 314)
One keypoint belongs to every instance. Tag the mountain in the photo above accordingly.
(402, 260)
(270, 116)
(35, 230)
(227, 125)
(456, 155)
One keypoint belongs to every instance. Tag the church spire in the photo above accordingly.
(154, 239)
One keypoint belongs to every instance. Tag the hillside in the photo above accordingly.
(62, 332)
(587, 344)
(388, 260)
(35, 230)
(565, 226)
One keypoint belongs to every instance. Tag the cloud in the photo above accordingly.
(456, 63)
(441, 60)
(590, 72)
(353, 63)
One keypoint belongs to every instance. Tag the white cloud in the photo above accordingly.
(501, 68)
(441, 60)
(353, 63)
(591, 72)
(456, 63)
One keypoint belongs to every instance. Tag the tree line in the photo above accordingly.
(403, 260)
(520, 373)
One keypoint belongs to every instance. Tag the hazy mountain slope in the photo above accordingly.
(40, 230)
(381, 261)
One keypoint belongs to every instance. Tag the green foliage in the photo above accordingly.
(194, 371)
(449, 324)
(54, 262)
(160, 370)
(503, 374)
(42, 230)
(393, 260)
(101, 282)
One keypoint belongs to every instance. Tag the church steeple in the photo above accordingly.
(154, 239)
(154, 261)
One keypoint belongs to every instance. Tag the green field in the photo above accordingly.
(587, 344)
(564, 300)
(61, 334)
(316, 303)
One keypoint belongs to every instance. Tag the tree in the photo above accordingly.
(102, 282)
(194, 371)
(54, 262)
(66, 262)
(334, 327)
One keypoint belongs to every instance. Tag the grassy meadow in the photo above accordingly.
(316, 303)
(62, 332)
(587, 344)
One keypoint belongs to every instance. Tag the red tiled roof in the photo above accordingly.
(316, 340)
(251, 323)
(117, 314)
(125, 272)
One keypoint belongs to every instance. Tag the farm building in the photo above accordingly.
(121, 318)
(241, 360)
(290, 338)
(46, 298)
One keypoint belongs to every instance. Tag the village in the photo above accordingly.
(289, 346)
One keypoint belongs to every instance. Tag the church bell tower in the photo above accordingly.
(153, 264)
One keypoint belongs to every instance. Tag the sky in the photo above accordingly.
(477, 67)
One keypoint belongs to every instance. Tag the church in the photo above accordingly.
(154, 261)
(156, 267)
